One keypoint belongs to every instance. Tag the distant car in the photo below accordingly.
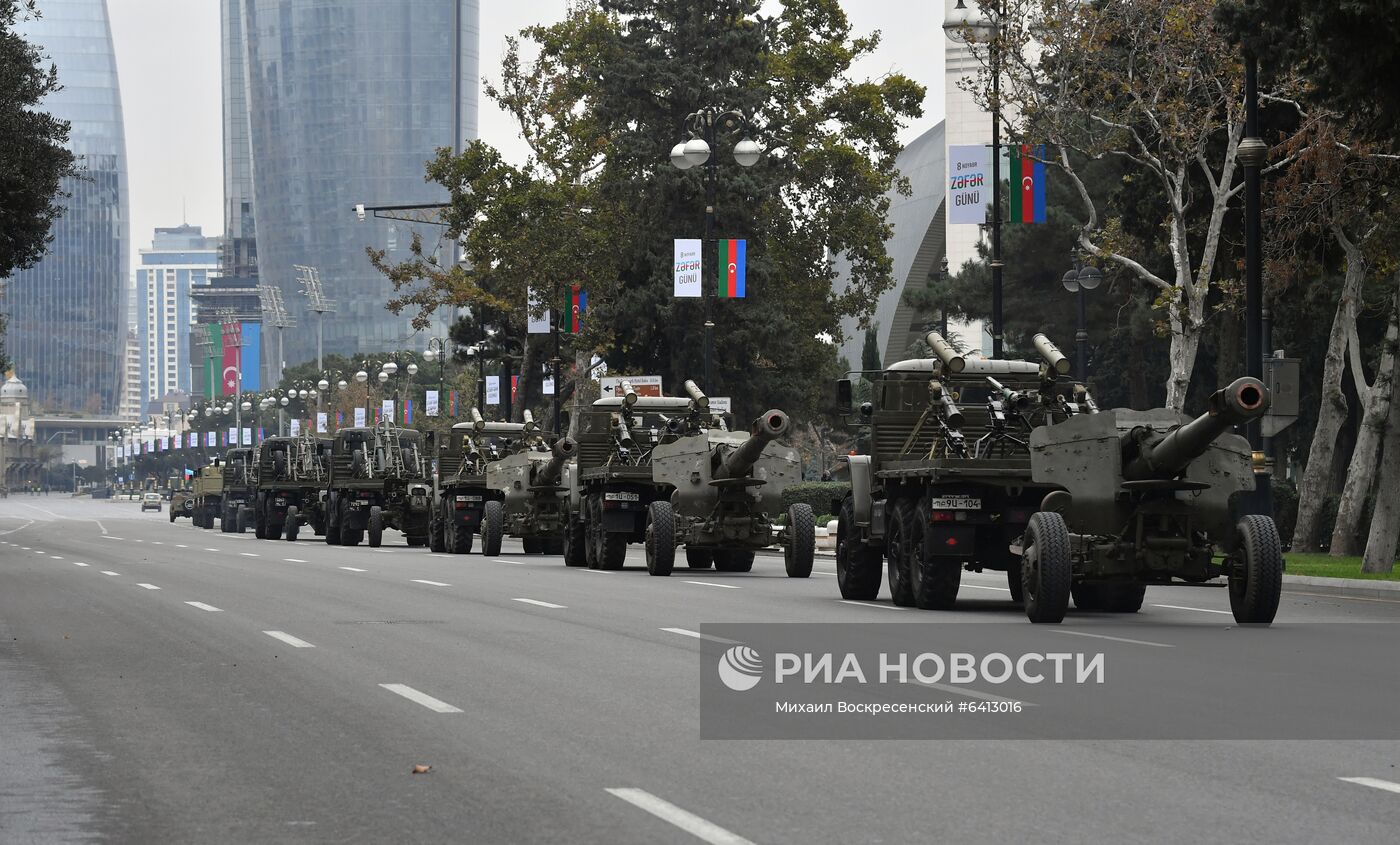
(150, 502)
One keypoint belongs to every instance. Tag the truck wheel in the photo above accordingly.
(459, 538)
(492, 525)
(172, 513)
(898, 545)
(857, 565)
(1046, 568)
(291, 524)
(225, 520)
(612, 552)
(376, 526)
(437, 540)
(733, 560)
(1088, 597)
(934, 580)
(575, 542)
(1123, 598)
(699, 558)
(801, 550)
(660, 539)
(591, 541)
(332, 522)
(348, 536)
(1257, 579)
(244, 517)
(260, 521)
(1013, 581)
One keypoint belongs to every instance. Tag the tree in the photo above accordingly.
(34, 156)
(870, 353)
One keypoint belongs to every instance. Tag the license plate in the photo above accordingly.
(956, 503)
(279, 501)
(622, 497)
(468, 498)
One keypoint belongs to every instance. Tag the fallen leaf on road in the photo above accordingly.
(420, 769)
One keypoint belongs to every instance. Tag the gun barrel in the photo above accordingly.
(477, 422)
(549, 474)
(1013, 398)
(624, 430)
(767, 428)
(952, 416)
(952, 361)
(629, 393)
(697, 395)
(1051, 354)
(1147, 456)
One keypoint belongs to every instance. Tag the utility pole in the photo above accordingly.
(310, 280)
(270, 297)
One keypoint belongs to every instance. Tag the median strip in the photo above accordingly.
(433, 704)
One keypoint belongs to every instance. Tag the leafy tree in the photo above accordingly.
(870, 353)
(34, 156)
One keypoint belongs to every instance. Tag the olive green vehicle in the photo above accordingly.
(181, 504)
(378, 479)
(292, 473)
(534, 505)
(240, 486)
(726, 488)
(460, 490)
(208, 492)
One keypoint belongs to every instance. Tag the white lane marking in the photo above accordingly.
(78, 563)
(202, 606)
(148, 586)
(429, 583)
(157, 543)
(687, 821)
(40, 552)
(293, 560)
(712, 584)
(870, 604)
(599, 571)
(1343, 598)
(971, 693)
(181, 546)
(1374, 783)
(512, 562)
(424, 699)
(1197, 609)
(980, 587)
(249, 554)
(684, 632)
(56, 557)
(100, 525)
(211, 550)
(353, 569)
(289, 639)
(24, 548)
(110, 537)
(110, 572)
(1107, 637)
(542, 604)
(138, 541)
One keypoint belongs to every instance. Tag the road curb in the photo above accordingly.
(1348, 587)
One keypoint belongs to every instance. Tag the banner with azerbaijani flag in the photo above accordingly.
(1027, 178)
(732, 268)
(578, 307)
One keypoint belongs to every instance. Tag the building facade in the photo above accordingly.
(67, 328)
(180, 260)
(345, 104)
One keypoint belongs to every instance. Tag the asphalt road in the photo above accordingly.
(162, 683)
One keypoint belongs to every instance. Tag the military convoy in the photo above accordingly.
(460, 492)
(534, 506)
(378, 479)
(240, 486)
(208, 494)
(291, 486)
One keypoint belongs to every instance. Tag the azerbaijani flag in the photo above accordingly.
(408, 412)
(1027, 183)
(731, 268)
(579, 306)
(452, 403)
(339, 419)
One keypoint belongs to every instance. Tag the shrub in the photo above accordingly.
(823, 496)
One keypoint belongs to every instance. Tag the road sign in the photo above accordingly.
(721, 405)
(644, 385)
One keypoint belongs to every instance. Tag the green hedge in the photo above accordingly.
(821, 495)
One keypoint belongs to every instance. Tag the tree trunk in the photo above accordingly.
(525, 376)
(1361, 474)
(1385, 522)
(585, 387)
(1181, 356)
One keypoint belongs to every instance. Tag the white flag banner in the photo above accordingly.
(537, 325)
(247, 437)
(969, 184)
(430, 403)
(294, 428)
(547, 387)
(386, 409)
(321, 422)
(359, 417)
(194, 440)
(493, 390)
(233, 437)
(213, 439)
(687, 268)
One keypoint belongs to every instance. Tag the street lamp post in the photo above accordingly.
(964, 26)
(1252, 153)
(703, 129)
(1077, 281)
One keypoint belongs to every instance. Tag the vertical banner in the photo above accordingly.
(533, 324)
(493, 390)
(294, 428)
(250, 360)
(232, 338)
(687, 267)
(386, 410)
(967, 177)
(452, 403)
(579, 304)
(232, 437)
(547, 386)
(247, 437)
(408, 412)
(211, 440)
(732, 257)
(1027, 176)
(321, 422)
(215, 335)
(339, 419)
(430, 403)
(514, 387)
(359, 417)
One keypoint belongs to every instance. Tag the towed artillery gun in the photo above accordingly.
(377, 480)
(534, 486)
(460, 492)
(725, 489)
(291, 492)
(1145, 497)
(239, 488)
(947, 484)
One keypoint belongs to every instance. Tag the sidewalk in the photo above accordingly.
(1346, 587)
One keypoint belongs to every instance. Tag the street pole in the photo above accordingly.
(995, 61)
(1081, 339)
(1252, 152)
(711, 190)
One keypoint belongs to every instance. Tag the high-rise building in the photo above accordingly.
(180, 259)
(67, 329)
(345, 104)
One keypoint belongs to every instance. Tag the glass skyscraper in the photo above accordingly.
(346, 102)
(67, 330)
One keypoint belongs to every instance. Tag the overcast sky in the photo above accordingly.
(168, 61)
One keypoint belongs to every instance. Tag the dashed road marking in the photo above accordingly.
(434, 704)
(429, 583)
(79, 563)
(713, 584)
(981, 587)
(538, 603)
(511, 562)
(56, 557)
(1374, 783)
(110, 572)
(290, 640)
(1107, 637)
(685, 632)
(148, 586)
(870, 604)
(293, 560)
(353, 569)
(211, 550)
(687, 821)
(249, 554)
(1197, 609)
(202, 606)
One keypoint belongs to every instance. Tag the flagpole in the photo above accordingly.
(995, 50)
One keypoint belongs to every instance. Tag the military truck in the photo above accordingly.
(378, 479)
(460, 489)
(181, 504)
(292, 475)
(725, 490)
(947, 484)
(534, 504)
(1148, 497)
(616, 436)
(240, 486)
(208, 492)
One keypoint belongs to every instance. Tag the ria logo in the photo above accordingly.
(740, 668)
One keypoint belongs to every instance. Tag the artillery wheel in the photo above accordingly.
(857, 565)
(660, 539)
(898, 546)
(226, 520)
(492, 528)
(733, 560)
(1013, 581)
(375, 524)
(801, 550)
(593, 556)
(699, 558)
(575, 542)
(1046, 568)
(437, 541)
(291, 524)
(1257, 579)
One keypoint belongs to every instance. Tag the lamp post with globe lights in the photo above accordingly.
(1078, 280)
(702, 128)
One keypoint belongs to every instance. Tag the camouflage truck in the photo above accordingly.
(181, 504)
(378, 479)
(240, 486)
(208, 493)
(460, 490)
(292, 475)
(947, 484)
(726, 488)
(534, 505)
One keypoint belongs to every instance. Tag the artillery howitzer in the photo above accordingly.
(725, 488)
(946, 484)
(1144, 497)
(377, 480)
(460, 493)
(239, 487)
(534, 504)
(291, 486)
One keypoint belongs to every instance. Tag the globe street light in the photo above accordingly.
(1078, 280)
